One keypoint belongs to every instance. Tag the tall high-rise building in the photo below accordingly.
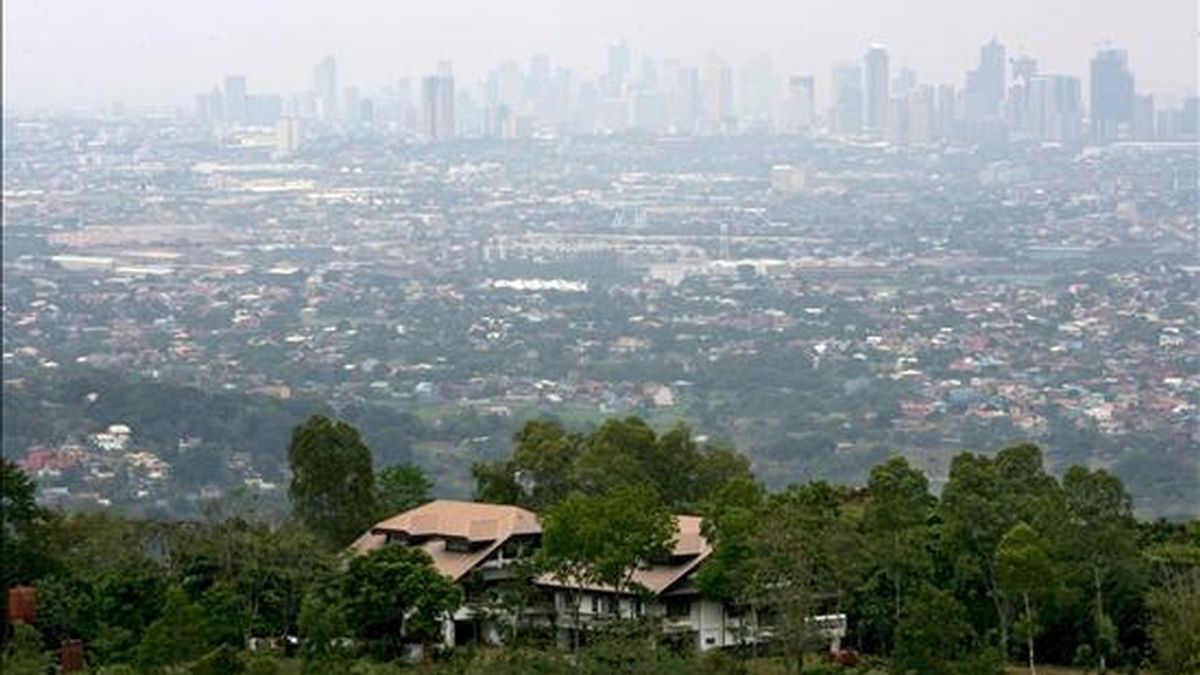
(758, 93)
(619, 64)
(1112, 94)
(984, 92)
(235, 98)
(945, 111)
(801, 106)
(352, 109)
(1143, 118)
(216, 104)
(920, 122)
(847, 96)
(904, 83)
(875, 87)
(619, 60)
(438, 104)
(325, 86)
(1054, 111)
(718, 95)
(686, 102)
(1020, 123)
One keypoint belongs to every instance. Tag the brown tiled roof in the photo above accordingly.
(485, 526)
(488, 526)
(690, 549)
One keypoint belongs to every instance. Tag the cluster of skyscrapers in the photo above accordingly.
(1001, 99)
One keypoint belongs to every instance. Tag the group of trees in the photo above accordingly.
(1008, 563)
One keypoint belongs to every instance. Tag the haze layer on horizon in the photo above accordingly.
(92, 52)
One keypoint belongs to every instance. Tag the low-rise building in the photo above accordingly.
(479, 546)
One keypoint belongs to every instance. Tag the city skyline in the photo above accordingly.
(673, 97)
(47, 49)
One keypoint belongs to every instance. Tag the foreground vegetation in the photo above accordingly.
(1008, 564)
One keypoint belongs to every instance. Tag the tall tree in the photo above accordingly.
(618, 453)
(604, 539)
(333, 485)
(1024, 568)
(795, 564)
(612, 535)
(181, 634)
(896, 524)
(23, 528)
(540, 472)
(401, 488)
(730, 525)
(1175, 626)
(1102, 541)
(982, 500)
(394, 593)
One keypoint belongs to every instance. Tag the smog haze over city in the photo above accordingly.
(82, 53)
(833, 316)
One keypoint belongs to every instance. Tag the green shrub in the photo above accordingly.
(23, 655)
(118, 669)
(223, 660)
(720, 663)
(262, 664)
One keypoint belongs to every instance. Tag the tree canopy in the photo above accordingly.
(333, 484)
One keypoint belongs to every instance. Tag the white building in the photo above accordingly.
(475, 542)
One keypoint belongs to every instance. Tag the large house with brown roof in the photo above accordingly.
(479, 545)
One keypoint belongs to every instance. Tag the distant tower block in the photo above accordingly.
(724, 244)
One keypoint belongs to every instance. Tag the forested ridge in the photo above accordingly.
(1008, 566)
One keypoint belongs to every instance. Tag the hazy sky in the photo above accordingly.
(79, 52)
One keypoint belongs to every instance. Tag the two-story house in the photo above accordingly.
(480, 546)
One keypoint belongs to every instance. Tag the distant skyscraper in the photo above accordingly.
(619, 61)
(325, 86)
(920, 122)
(216, 104)
(1020, 122)
(1112, 94)
(801, 104)
(759, 93)
(264, 110)
(235, 98)
(438, 104)
(1055, 108)
(945, 113)
(877, 98)
(718, 95)
(352, 111)
(686, 102)
(1143, 118)
(847, 97)
(904, 83)
(984, 92)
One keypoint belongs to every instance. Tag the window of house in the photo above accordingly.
(678, 608)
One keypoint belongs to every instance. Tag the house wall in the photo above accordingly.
(706, 619)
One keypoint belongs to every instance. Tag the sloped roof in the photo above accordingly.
(488, 526)
(690, 549)
(473, 521)
(485, 526)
